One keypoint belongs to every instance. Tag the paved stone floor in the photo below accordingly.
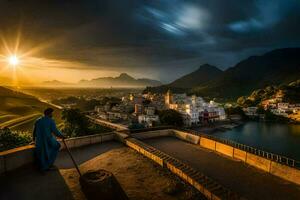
(28, 183)
(247, 181)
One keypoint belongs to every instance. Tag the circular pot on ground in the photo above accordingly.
(101, 185)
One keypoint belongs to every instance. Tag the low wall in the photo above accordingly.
(285, 172)
(224, 149)
(208, 143)
(152, 134)
(202, 183)
(194, 139)
(258, 162)
(267, 165)
(18, 157)
(87, 140)
(108, 124)
(15, 158)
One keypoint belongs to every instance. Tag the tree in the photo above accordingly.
(170, 117)
(76, 123)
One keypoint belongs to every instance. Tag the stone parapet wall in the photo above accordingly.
(18, 157)
(152, 134)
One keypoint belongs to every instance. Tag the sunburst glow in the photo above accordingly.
(13, 60)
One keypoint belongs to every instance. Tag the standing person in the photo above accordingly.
(46, 145)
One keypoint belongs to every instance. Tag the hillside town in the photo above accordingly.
(277, 106)
(142, 109)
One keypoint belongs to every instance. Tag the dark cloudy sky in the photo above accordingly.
(150, 38)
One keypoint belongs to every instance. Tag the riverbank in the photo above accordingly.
(220, 126)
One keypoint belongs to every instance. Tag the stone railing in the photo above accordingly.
(18, 157)
(118, 127)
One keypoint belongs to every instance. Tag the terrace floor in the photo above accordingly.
(29, 183)
(243, 179)
(139, 177)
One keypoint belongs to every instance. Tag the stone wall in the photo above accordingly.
(194, 139)
(152, 134)
(108, 124)
(18, 157)
(285, 172)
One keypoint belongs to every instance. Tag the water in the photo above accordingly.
(282, 139)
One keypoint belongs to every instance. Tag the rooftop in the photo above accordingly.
(143, 179)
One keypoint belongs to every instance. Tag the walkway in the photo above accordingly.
(237, 176)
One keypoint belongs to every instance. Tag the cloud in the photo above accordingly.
(140, 35)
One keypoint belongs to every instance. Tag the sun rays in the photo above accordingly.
(18, 63)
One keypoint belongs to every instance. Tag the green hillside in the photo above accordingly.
(19, 111)
(288, 92)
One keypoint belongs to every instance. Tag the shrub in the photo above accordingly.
(12, 139)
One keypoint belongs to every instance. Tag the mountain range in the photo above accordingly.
(123, 80)
(275, 67)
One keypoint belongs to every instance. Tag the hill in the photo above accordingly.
(273, 68)
(287, 92)
(123, 80)
(202, 75)
(18, 111)
(277, 67)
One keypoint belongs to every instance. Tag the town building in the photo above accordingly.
(192, 108)
(148, 120)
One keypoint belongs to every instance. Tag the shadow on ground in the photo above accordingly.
(28, 183)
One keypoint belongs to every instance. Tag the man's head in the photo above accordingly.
(48, 112)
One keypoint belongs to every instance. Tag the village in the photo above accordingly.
(194, 110)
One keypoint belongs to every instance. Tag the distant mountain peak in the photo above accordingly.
(206, 65)
(125, 76)
(204, 73)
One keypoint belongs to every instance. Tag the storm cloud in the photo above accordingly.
(160, 39)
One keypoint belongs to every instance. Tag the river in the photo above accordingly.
(282, 139)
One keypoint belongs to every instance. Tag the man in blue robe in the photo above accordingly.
(46, 145)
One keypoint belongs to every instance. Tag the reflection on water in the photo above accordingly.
(283, 139)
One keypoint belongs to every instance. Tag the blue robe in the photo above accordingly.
(46, 145)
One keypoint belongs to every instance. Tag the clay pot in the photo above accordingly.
(101, 185)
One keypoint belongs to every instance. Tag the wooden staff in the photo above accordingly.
(69, 152)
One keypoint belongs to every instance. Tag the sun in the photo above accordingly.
(13, 60)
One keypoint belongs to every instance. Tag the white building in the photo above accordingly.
(191, 107)
(148, 120)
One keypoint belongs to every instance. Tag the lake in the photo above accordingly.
(282, 139)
